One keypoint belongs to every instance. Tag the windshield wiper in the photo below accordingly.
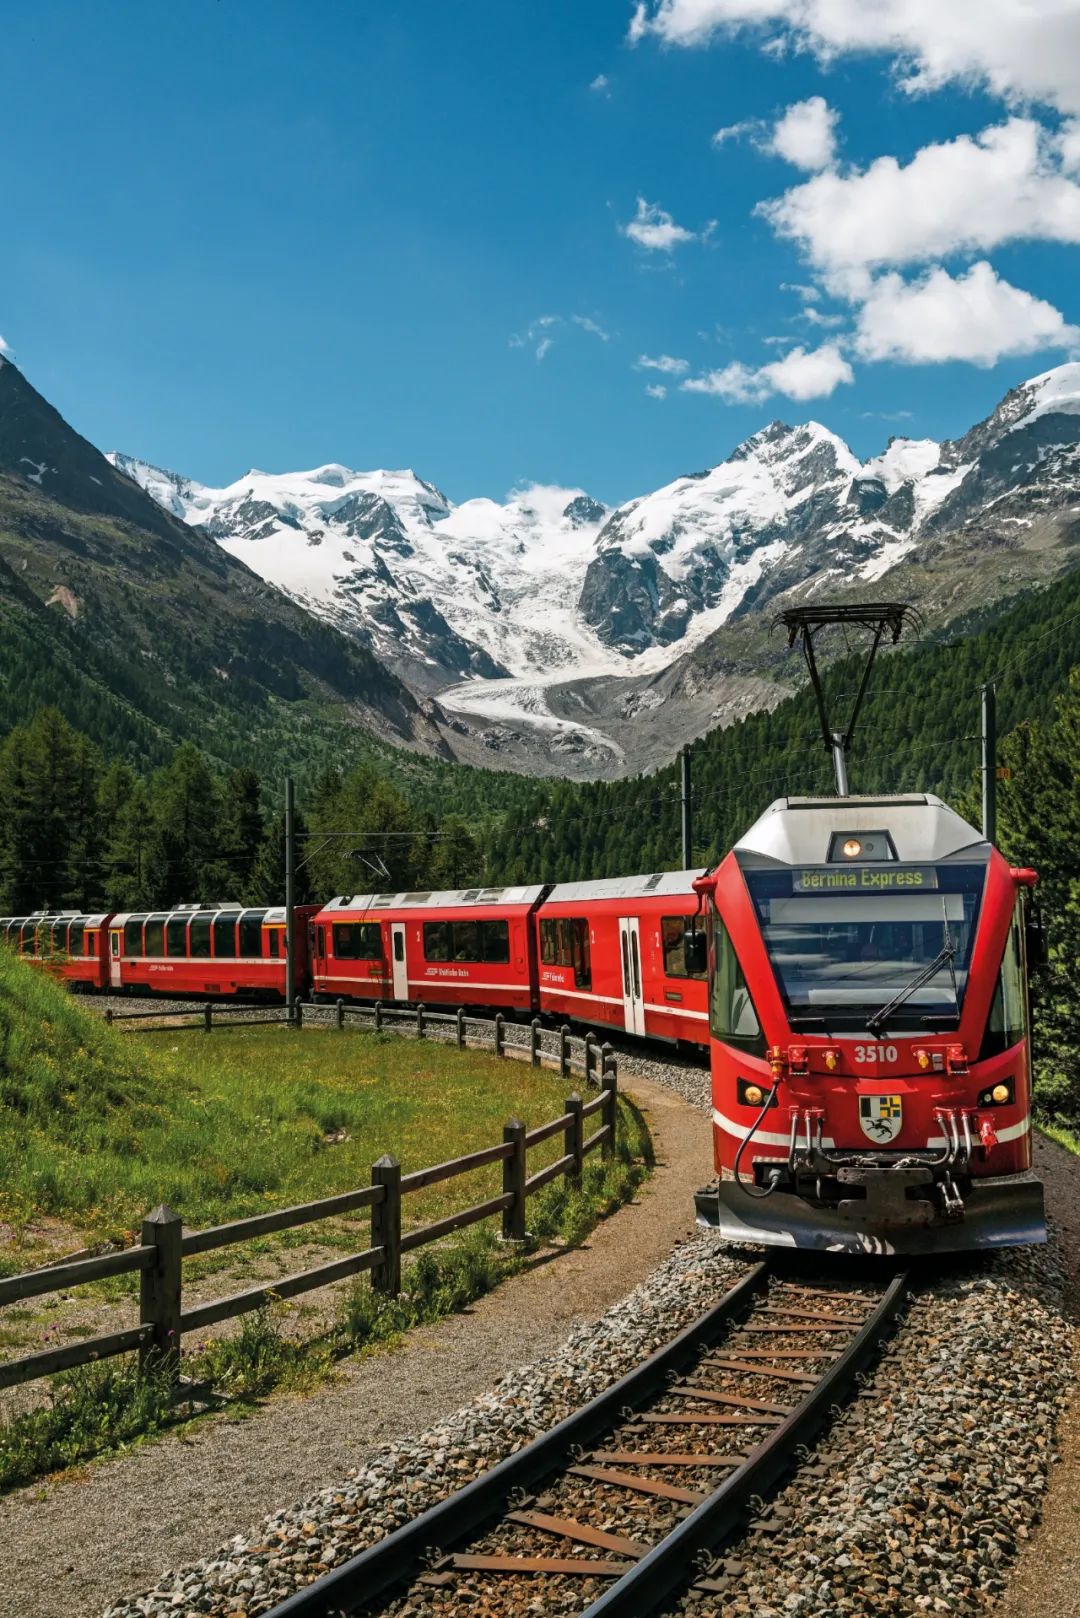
(878, 1019)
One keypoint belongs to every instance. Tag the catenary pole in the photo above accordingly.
(290, 899)
(687, 811)
(989, 763)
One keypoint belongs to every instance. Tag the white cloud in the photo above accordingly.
(806, 134)
(975, 317)
(1022, 50)
(735, 131)
(964, 194)
(655, 230)
(592, 327)
(601, 84)
(656, 390)
(540, 334)
(802, 374)
(1068, 145)
(668, 363)
(808, 294)
(5, 348)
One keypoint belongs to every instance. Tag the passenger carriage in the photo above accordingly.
(470, 946)
(71, 945)
(206, 950)
(614, 952)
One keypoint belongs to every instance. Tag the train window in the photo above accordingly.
(199, 938)
(495, 942)
(224, 931)
(358, 941)
(75, 938)
(155, 936)
(28, 938)
(564, 941)
(399, 944)
(251, 933)
(732, 1017)
(176, 935)
(133, 937)
(1007, 1023)
(674, 931)
(274, 933)
(487, 941)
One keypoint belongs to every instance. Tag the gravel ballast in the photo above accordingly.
(916, 1501)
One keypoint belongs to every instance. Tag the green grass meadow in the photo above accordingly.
(97, 1126)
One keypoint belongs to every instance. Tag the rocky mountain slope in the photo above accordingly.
(144, 629)
(552, 628)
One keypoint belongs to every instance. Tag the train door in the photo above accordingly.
(397, 956)
(633, 996)
(115, 936)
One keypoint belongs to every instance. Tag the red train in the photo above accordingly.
(610, 953)
(858, 967)
(869, 1029)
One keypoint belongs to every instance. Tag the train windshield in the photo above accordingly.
(841, 953)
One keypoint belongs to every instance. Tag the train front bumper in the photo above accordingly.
(889, 1217)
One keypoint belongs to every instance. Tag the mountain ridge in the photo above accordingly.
(547, 625)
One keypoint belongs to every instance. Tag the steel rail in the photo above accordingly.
(401, 1555)
(666, 1566)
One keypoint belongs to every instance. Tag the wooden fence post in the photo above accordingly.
(513, 1220)
(575, 1138)
(564, 1051)
(500, 1034)
(108, 1013)
(534, 1041)
(298, 1012)
(609, 1112)
(341, 1013)
(419, 1019)
(607, 1057)
(159, 1291)
(378, 1015)
(386, 1226)
(207, 1017)
(461, 1028)
(590, 1056)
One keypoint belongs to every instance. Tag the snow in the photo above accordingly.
(39, 467)
(1054, 392)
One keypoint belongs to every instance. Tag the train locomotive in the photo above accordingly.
(870, 1051)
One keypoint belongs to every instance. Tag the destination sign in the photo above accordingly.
(865, 879)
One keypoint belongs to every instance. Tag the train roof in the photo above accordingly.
(446, 899)
(653, 886)
(800, 831)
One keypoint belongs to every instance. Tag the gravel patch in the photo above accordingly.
(928, 1485)
(399, 1480)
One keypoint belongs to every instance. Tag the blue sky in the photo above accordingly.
(281, 234)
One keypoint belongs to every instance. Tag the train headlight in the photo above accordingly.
(753, 1096)
(1000, 1093)
(852, 849)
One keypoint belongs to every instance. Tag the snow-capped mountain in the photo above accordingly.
(499, 607)
(440, 592)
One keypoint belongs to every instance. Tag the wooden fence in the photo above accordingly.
(158, 1258)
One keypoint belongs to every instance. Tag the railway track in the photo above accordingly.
(632, 1498)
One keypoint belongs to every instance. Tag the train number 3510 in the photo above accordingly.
(876, 1053)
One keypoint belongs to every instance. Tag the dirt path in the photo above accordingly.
(1046, 1578)
(68, 1548)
